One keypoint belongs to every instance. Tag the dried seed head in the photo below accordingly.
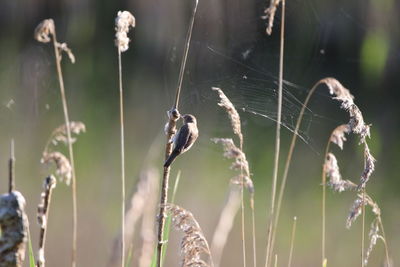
(232, 112)
(355, 211)
(338, 135)
(123, 22)
(373, 238)
(240, 163)
(270, 14)
(369, 166)
(63, 167)
(194, 247)
(341, 93)
(331, 170)
(60, 133)
(14, 225)
(43, 31)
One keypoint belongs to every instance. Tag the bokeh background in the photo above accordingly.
(358, 42)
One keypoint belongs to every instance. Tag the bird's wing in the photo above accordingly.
(182, 138)
(192, 136)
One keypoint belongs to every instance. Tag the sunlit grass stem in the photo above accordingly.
(70, 150)
(271, 226)
(171, 130)
(121, 112)
(292, 241)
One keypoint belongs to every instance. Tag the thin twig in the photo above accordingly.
(11, 168)
(70, 149)
(363, 227)
(173, 116)
(277, 141)
(292, 241)
(324, 204)
(121, 112)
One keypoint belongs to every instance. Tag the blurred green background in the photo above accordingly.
(357, 42)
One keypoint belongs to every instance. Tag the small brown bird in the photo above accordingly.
(184, 138)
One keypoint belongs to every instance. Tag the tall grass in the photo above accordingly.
(45, 32)
(270, 12)
(123, 22)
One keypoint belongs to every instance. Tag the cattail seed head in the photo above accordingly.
(123, 22)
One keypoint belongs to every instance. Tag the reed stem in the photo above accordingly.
(70, 150)
(277, 141)
(173, 115)
(121, 112)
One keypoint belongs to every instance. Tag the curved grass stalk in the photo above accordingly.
(70, 150)
(289, 159)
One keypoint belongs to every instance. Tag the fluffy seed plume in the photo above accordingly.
(232, 112)
(356, 125)
(374, 235)
(194, 247)
(331, 170)
(123, 22)
(338, 135)
(342, 94)
(270, 14)
(369, 166)
(14, 225)
(356, 209)
(231, 151)
(63, 167)
(47, 30)
(59, 135)
(42, 214)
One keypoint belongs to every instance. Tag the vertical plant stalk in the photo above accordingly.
(277, 141)
(173, 116)
(123, 22)
(11, 168)
(292, 241)
(43, 214)
(363, 228)
(323, 181)
(70, 150)
(121, 112)
(289, 157)
(242, 206)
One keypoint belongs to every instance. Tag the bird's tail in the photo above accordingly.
(171, 158)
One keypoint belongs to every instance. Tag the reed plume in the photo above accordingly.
(194, 247)
(243, 180)
(44, 33)
(123, 22)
